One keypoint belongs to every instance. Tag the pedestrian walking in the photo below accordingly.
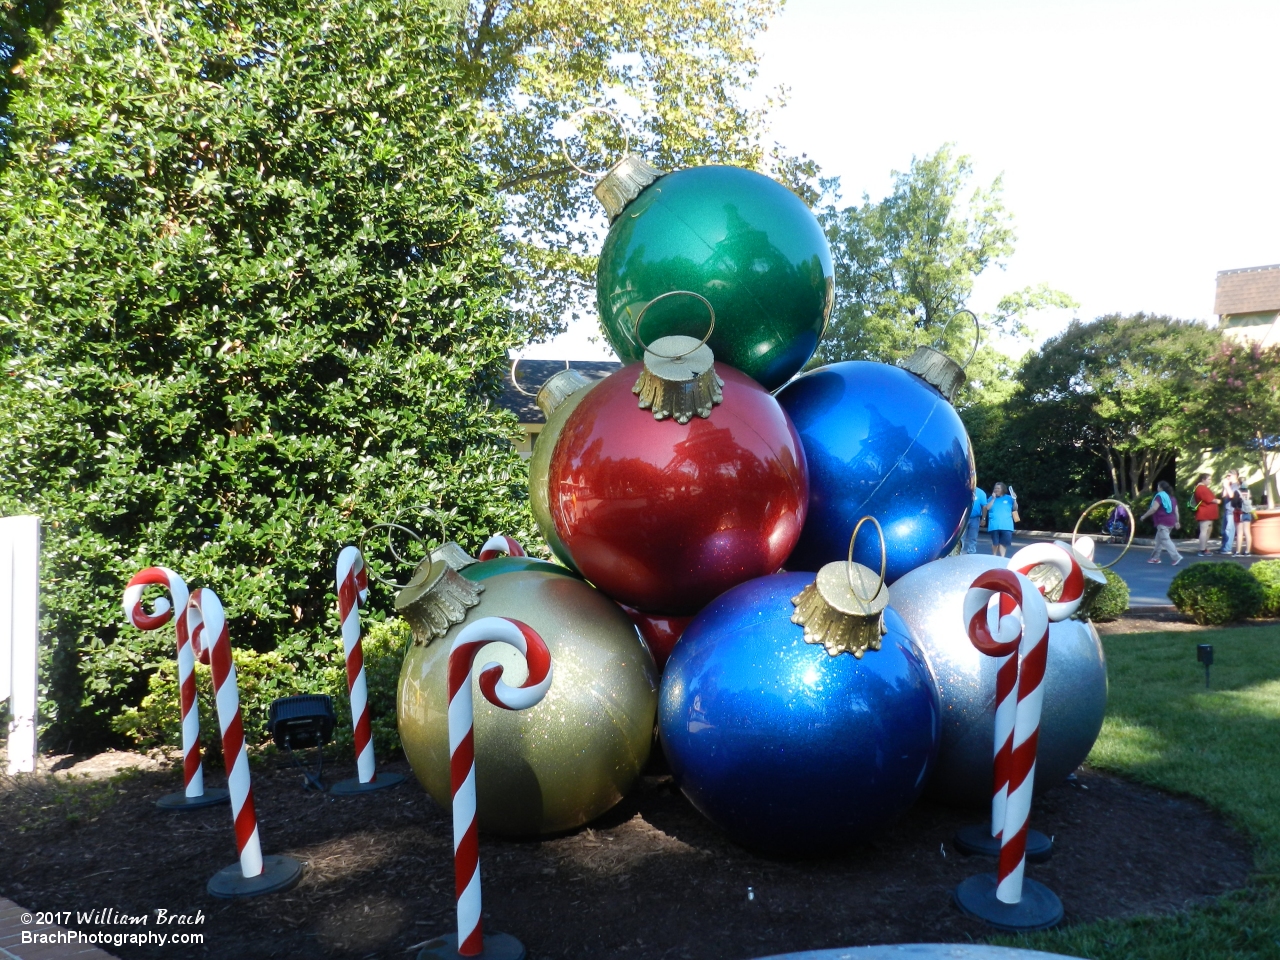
(1244, 524)
(1164, 514)
(1205, 505)
(975, 520)
(1001, 511)
(1230, 502)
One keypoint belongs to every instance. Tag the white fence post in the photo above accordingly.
(19, 624)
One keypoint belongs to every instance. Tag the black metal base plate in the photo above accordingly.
(278, 873)
(977, 841)
(180, 801)
(353, 787)
(1039, 908)
(497, 946)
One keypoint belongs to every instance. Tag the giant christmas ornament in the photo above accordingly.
(740, 239)
(880, 441)
(659, 631)
(677, 479)
(575, 754)
(557, 398)
(930, 600)
(798, 738)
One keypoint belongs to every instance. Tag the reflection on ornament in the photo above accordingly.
(789, 749)
(743, 241)
(575, 754)
(879, 441)
(930, 600)
(664, 516)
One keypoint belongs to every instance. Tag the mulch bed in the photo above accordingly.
(651, 879)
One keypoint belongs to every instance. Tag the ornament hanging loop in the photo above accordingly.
(1133, 528)
(564, 141)
(884, 559)
(390, 547)
(977, 335)
(676, 293)
(515, 382)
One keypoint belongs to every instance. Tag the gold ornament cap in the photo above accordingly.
(679, 378)
(843, 609)
(436, 598)
(558, 389)
(623, 182)
(453, 555)
(937, 369)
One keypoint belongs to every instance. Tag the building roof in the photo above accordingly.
(1248, 290)
(532, 374)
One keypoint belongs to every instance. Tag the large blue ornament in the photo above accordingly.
(790, 750)
(879, 441)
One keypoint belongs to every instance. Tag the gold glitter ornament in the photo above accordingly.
(573, 756)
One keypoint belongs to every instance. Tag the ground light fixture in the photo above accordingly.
(301, 722)
(1204, 654)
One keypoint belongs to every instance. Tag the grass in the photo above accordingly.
(1221, 745)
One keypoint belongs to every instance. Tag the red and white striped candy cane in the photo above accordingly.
(498, 545)
(1066, 564)
(982, 616)
(353, 590)
(192, 769)
(1032, 648)
(462, 754)
(204, 612)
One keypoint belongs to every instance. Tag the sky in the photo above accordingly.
(1138, 141)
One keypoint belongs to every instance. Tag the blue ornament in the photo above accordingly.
(787, 748)
(879, 441)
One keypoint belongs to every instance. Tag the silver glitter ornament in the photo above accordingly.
(930, 600)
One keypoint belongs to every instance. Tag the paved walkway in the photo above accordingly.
(1148, 582)
(12, 947)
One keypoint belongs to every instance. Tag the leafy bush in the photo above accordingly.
(1267, 573)
(251, 301)
(1214, 592)
(1113, 601)
(262, 677)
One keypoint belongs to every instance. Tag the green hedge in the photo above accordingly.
(1216, 592)
(1113, 601)
(1267, 573)
(262, 677)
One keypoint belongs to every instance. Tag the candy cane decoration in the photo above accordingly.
(204, 613)
(192, 769)
(353, 590)
(462, 754)
(498, 545)
(1066, 564)
(1030, 640)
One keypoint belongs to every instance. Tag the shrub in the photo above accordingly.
(1267, 573)
(1216, 592)
(251, 302)
(263, 677)
(1113, 601)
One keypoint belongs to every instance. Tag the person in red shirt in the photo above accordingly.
(1206, 504)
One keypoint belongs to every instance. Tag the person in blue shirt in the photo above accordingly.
(975, 519)
(1000, 511)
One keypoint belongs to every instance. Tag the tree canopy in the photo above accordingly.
(251, 301)
(906, 264)
(1240, 405)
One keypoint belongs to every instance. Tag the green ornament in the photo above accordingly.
(558, 398)
(743, 241)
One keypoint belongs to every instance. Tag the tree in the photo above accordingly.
(1240, 406)
(906, 264)
(251, 302)
(21, 21)
(678, 69)
(1125, 386)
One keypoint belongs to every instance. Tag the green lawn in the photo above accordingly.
(1222, 745)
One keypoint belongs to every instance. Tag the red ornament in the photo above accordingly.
(665, 516)
(659, 631)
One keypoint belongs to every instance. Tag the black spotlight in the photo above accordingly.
(303, 721)
(1204, 654)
